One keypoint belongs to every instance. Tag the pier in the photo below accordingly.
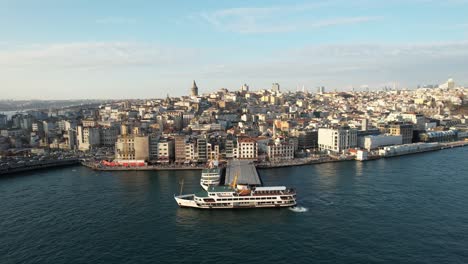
(244, 170)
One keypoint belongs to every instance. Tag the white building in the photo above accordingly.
(374, 142)
(87, 137)
(165, 150)
(247, 148)
(417, 119)
(337, 139)
(190, 151)
(280, 150)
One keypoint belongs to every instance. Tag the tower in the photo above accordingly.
(244, 88)
(275, 87)
(194, 89)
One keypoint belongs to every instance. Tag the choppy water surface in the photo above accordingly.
(411, 209)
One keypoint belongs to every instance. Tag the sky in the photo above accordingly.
(78, 49)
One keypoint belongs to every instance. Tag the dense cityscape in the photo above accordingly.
(283, 132)
(268, 126)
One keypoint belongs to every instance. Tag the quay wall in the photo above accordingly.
(43, 165)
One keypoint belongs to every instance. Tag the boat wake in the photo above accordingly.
(299, 209)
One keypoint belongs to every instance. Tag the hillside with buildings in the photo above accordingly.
(266, 125)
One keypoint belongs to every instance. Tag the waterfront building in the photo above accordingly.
(132, 147)
(361, 134)
(202, 149)
(165, 150)
(153, 147)
(247, 148)
(403, 129)
(179, 145)
(190, 151)
(374, 142)
(438, 136)
(337, 139)
(306, 139)
(280, 150)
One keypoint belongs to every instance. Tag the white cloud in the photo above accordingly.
(92, 55)
(145, 70)
(353, 64)
(272, 19)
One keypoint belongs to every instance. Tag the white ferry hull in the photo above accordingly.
(185, 201)
(239, 196)
(193, 204)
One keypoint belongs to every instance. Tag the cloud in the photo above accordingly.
(275, 19)
(128, 68)
(343, 65)
(92, 55)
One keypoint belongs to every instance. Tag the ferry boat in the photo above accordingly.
(210, 176)
(240, 196)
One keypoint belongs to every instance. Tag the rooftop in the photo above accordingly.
(244, 170)
(202, 194)
(220, 189)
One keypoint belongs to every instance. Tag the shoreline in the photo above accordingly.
(291, 163)
(46, 165)
(262, 166)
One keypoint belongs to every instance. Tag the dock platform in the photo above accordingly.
(245, 171)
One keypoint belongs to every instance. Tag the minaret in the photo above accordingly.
(194, 89)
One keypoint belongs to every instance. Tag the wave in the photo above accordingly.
(299, 209)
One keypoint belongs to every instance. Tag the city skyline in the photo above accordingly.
(70, 50)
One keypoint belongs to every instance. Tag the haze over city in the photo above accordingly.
(140, 49)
